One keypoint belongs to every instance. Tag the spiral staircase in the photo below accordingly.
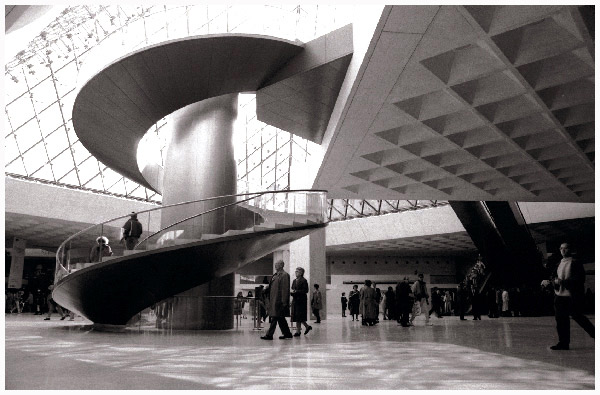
(166, 261)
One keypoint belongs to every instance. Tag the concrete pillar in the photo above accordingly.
(309, 253)
(200, 163)
(17, 261)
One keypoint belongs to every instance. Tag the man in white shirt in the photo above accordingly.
(568, 288)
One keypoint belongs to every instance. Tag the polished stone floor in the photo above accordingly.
(503, 353)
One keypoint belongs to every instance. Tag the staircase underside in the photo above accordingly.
(112, 292)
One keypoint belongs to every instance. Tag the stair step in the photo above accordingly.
(264, 226)
(233, 232)
(209, 236)
(184, 241)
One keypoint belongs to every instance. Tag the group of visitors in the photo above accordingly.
(403, 305)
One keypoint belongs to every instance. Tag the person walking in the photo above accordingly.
(404, 301)
(569, 298)
(53, 305)
(461, 300)
(436, 303)
(316, 303)
(279, 303)
(421, 295)
(300, 302)
(344, 301)
(369, 304)
(447, 303)
(354, 302)
(132, 230)
(491, 302)
(475, 302)
(505, 300)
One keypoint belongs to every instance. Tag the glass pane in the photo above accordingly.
(95, 183)
(10, 149)
(28, 135)
(14, 85)
(110, 177)
(66, 103)
(56, 142)
(283, 139)
(177, 21)
(70, 179)
(43, 95)
(60, 55)
(62, 164)
(254, 179)
(139, 192)
(40, 72)
(88, 169)
(130, 186)
(283, 181)
(80, 153)
(65, 80)
(45, 173)
(269, 163)
(50, 119)
(118, 188)
(7, 128)
(35, 158)
(254, 160)
(16, 167)
(20, 111)
(71, 132)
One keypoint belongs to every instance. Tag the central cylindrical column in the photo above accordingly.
(200, 163)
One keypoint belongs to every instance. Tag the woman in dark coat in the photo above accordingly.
(299, 302)
(354, 302)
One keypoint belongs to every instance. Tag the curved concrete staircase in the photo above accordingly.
(112, 291)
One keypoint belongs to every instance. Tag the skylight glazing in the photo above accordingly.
(40, 83)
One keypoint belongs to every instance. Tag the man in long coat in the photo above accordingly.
(368, 304)
(279, 302)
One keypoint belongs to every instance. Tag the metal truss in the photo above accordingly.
(343, 209)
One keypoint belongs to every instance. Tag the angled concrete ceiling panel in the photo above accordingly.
(501, 100)
(410, 19)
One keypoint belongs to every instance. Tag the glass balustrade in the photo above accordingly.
(248, 312)
(200, 221)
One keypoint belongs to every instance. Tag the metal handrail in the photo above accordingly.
(198, 215)
(254, 194)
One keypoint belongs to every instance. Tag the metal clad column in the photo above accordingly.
(200, 163)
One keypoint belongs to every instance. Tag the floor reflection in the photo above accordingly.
(488, 354)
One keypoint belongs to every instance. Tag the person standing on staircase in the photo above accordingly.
(132, 230)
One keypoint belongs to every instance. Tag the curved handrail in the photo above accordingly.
(198, 215)
(60, 249)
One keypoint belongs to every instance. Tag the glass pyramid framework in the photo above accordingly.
(40, 143)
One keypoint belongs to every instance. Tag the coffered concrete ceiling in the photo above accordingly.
(469, 103)
(459, 243)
